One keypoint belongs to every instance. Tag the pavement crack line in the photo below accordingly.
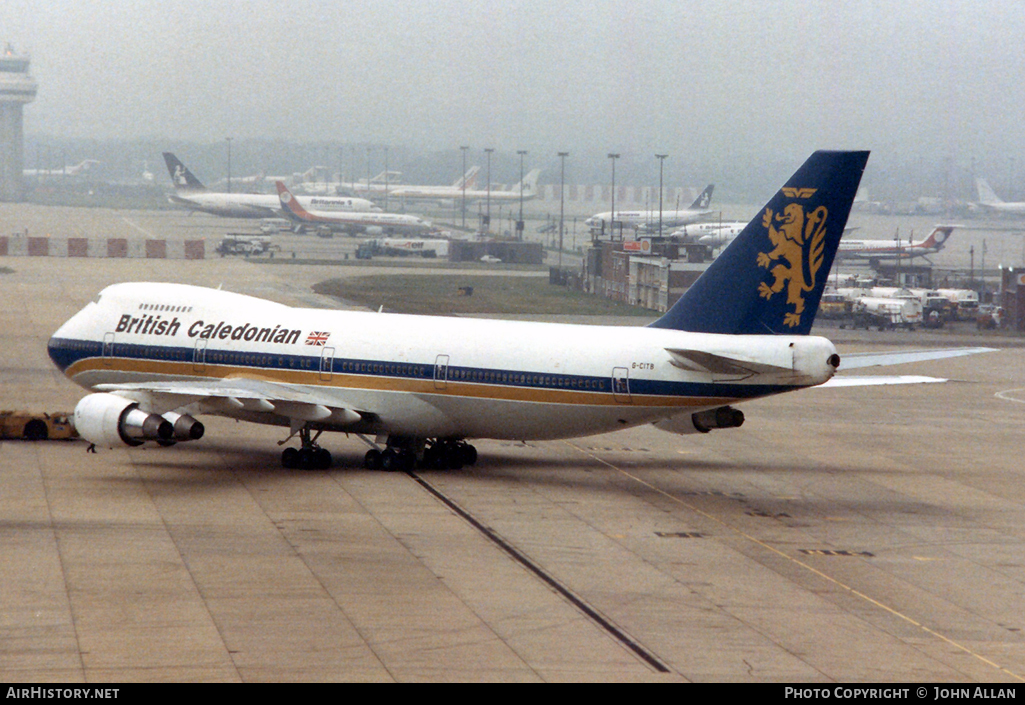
(548, 579)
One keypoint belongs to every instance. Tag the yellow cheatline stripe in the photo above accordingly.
(339, 380)
(776, 551)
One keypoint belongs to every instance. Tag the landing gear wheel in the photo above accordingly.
(469, 454)
(372, 460)
(392, 460)
(453, 456)
(322, 458)
(35, 430)
(309, 457)
(434, 459)
(450, 455)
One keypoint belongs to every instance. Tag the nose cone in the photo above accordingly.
(71, 341)
(54, 350)
(59, 347)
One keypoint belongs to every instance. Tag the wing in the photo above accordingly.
(234, 397)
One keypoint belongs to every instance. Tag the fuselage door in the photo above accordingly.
(199, 355)
(327, 360)
(108, 348)
(441, 372)
(621, 385)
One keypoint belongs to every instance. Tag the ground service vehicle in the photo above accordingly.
(885, 314)
(36, 426)
(241, 245)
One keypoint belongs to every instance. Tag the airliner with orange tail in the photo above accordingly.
(352, 223)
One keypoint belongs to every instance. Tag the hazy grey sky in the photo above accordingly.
(722, 77)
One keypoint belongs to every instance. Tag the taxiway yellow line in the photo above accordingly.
(802, 564)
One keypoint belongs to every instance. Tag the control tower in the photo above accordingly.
(16, 89)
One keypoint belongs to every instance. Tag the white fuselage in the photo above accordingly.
(881, 249)
(423, 376)
(1005, 207)
(362, 222)
(649, 218)
(258, 205)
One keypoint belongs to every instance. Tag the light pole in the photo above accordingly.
(612, 217)
(562, 201)
(386, 179)
(661, 161)
(519, 223)
(464, 148)
(228, 140)
(487, 210)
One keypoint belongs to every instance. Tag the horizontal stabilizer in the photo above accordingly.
(869, 381)
(732, 365)
(853, 361)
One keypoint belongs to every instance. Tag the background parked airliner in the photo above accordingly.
(713, 234)
(892, 249)
(72, 170)
(988, 200)
(154, 356)
(352, 223)
(192, 194)
(649, 218)
(528, 186)
(389, 182)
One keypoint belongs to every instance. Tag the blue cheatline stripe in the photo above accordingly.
(66, 352)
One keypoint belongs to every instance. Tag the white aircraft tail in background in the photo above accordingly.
(989, 201)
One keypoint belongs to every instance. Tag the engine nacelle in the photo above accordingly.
(186, 428)
(109, 420)
(703, 421)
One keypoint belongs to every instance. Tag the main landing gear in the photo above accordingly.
(436, 455)
(309, 456)
(400, 454)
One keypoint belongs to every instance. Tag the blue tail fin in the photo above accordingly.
(770, 279)
(181, 177)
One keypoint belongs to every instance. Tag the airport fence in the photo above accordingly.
(111, 247)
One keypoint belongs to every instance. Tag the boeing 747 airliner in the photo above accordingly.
(419, 388)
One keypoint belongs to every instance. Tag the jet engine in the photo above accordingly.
(703, 421)
(186, 428)
(109, 420)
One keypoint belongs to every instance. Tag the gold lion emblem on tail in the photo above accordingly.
(798, 239)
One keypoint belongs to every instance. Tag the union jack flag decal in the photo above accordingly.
(317, 338)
